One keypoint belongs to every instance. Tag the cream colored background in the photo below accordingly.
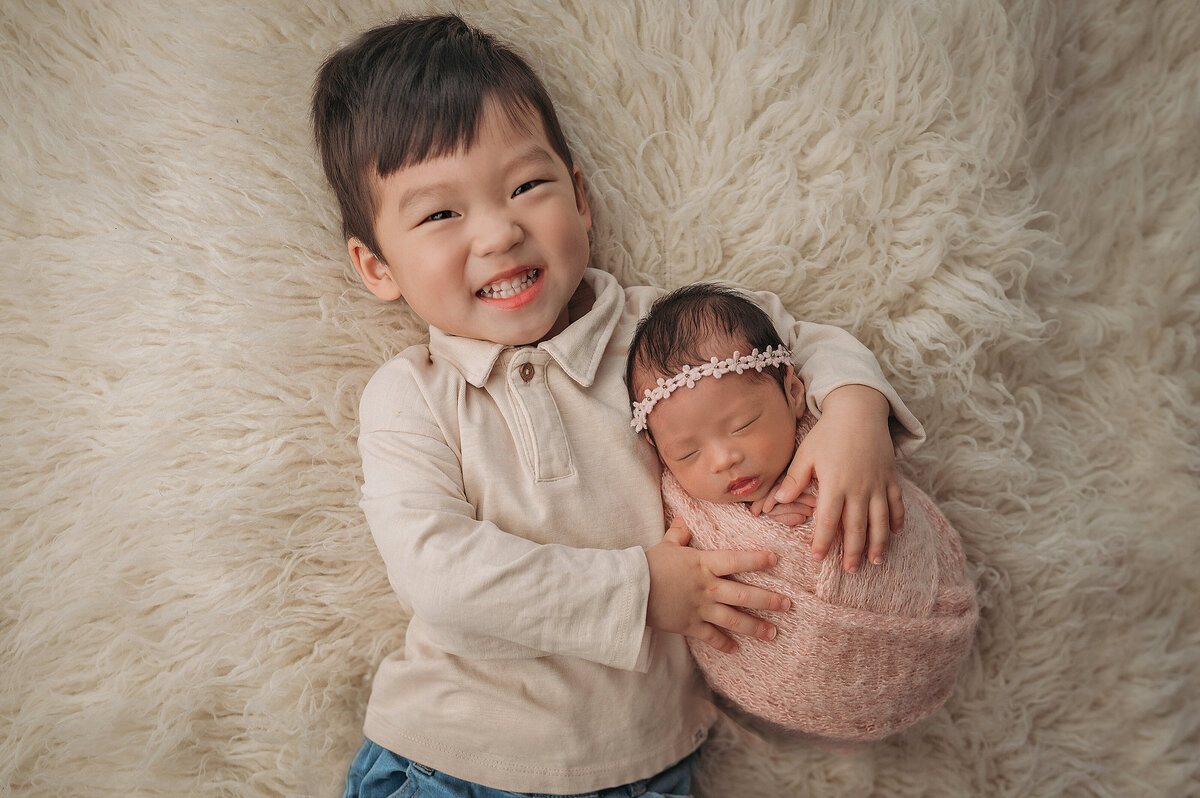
(1001, 199)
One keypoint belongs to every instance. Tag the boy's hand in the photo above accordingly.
(849, 451)
(690, 596)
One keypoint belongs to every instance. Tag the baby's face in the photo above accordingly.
(727, 440)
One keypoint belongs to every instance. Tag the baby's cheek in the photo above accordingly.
(697, 485)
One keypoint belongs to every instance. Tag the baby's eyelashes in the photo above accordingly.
(748, 424)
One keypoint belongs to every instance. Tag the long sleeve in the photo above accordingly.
(828, 358)
(477, 590)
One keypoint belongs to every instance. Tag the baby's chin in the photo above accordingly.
(763, 491)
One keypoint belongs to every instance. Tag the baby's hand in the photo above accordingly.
(794, 513)
(690, 596)
(849, 451)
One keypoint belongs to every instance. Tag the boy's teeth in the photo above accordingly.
(503, 289)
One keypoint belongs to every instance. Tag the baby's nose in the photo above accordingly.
(725, 457)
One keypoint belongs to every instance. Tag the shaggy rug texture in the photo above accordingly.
(1001, 199)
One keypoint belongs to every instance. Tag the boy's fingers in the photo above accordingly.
(678, 533)
(716, 638)
(781, 493)
(829, 516)
(725, 563)
(735, 594)
(854, 526)
(854, 541)
(729, 619)
(896, 507)
(878, 534)
(793, 482)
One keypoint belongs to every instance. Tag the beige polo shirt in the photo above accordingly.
(512, 504)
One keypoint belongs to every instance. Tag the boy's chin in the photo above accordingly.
(529, 336)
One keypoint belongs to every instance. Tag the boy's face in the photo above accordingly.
(489, 243)
(728, 440)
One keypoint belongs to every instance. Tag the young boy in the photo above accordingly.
(859, 656)
(516, 511)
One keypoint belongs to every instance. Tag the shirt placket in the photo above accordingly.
(537, 415)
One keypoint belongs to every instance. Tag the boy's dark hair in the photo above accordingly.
(669, 337)
(410, 91)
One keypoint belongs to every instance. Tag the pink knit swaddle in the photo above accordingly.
(858, 656)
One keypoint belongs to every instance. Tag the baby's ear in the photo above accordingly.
(794, 388)
(648, 438)
(375, 274)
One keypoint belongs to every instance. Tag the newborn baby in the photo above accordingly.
(859, 655)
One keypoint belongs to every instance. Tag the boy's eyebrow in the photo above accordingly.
(533, 155)
(429, 191)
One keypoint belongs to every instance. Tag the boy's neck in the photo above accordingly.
(581, 302)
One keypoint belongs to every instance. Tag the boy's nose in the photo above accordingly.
(496, 234)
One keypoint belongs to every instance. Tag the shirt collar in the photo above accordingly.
(578, 349)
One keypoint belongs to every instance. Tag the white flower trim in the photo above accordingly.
(773, 356)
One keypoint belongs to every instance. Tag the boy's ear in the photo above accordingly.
(375, 274)
(794, 389)
(581, 203)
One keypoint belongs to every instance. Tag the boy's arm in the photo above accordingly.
(851, 448)
(474, 589)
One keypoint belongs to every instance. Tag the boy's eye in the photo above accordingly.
(521, 189)
(439, 216)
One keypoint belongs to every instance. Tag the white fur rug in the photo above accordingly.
(1001, 199)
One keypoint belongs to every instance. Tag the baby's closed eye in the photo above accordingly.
(744, 425)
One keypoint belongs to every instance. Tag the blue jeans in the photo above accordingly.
(378, 773)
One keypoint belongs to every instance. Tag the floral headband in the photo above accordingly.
(773, 356)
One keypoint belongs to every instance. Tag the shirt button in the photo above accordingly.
(526, 371)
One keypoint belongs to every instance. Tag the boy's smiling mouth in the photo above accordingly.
(510, 286)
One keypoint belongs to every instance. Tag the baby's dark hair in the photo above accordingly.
(672, 335)
(413, 90)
